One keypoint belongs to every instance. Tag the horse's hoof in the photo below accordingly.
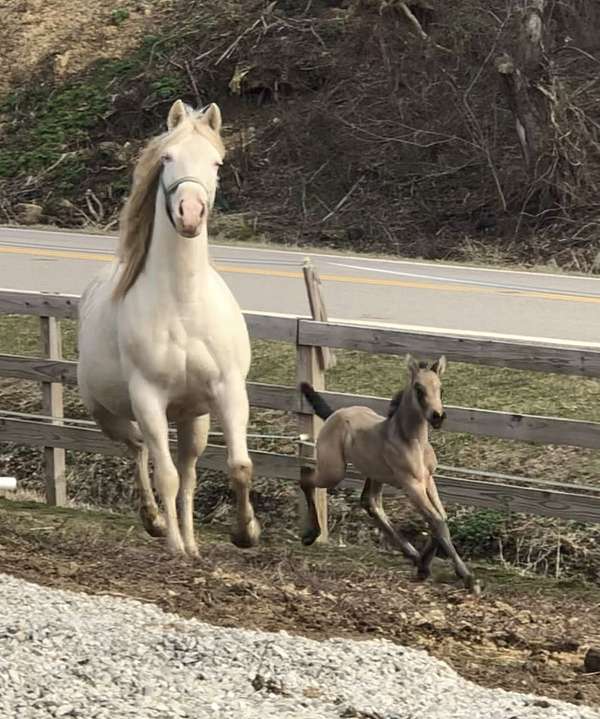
(423, 573)
(192, 551)
(176, 549)
(473, 585)
(310, 536)
(154, 524)
(247, 536)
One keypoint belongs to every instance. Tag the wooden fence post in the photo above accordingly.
(52, 405)
(311, 363)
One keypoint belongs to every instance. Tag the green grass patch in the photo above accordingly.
(57, 129)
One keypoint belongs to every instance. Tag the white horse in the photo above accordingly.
(161, 337)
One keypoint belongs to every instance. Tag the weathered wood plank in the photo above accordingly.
(42, 304)
(547, 357)
(39, 434)
(38, 369)
(454, 490)
(318, 311)
(506, 497)
(282, 328)
(504, 425)
(266, 464)
(89, 439)
(47, 304)
(272, 396)
(510, 498)
(52, 405)
(309, 370)
(523, 427)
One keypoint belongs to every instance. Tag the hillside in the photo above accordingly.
(366, 124)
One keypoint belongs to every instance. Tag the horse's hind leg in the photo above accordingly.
(124, 430)
(330, 471)
(371, 501)
(192, 436)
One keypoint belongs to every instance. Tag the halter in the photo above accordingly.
(168, 190)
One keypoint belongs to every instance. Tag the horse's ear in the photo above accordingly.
(412, 366)
(212, 117)
(177, 113)
(439, 366)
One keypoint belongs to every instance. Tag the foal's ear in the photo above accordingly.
(212, 117)
(439, 366)
(177, 113)
(412, 366)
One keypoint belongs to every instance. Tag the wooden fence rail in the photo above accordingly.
(482, 422)
(307, 335)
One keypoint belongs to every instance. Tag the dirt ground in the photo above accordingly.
(521, 633)
(45, 36)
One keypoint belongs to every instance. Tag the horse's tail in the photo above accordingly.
(317, 402)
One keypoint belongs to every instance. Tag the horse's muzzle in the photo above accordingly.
(436, 420)
(189, 217)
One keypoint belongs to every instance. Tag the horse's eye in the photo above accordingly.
(419, 389)
(166, 157)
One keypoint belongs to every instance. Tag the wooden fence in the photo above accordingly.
(463, 486)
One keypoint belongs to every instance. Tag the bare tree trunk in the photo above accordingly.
(529, 88)
(519, 77)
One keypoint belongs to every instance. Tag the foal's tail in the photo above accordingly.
(321, 407)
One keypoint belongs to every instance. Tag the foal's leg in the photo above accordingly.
(124, 430)
(330, 471)
(232, 404)
(192, 436)
(430, 549)
(150, 413)
(312, 529)
(371, 502)
(416, 491)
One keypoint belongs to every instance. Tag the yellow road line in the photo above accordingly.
(266, 272)
(66, 254)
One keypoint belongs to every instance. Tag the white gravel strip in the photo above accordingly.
(64, 654)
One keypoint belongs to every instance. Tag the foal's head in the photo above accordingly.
(425, 384)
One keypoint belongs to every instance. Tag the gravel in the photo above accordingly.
(64, 654)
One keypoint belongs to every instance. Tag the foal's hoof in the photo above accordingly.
(310, 536)
(473, 585)
(247, 536)
(153, 523)
(423, 573)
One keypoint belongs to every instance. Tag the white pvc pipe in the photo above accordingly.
(8, 484)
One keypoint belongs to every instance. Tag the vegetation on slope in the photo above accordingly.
(350, 123)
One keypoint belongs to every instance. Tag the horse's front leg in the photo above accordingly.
(231, 402)
(192, 437)
(150, 412)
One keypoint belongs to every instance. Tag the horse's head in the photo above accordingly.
(426, 385)
(191, 156)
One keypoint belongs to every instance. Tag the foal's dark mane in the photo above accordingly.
(397, 398)
(395, 403)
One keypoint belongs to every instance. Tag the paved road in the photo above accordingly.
(433, 295)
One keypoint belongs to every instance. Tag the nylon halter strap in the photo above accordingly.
(168, 190)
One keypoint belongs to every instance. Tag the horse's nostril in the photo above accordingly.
(180, 208)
